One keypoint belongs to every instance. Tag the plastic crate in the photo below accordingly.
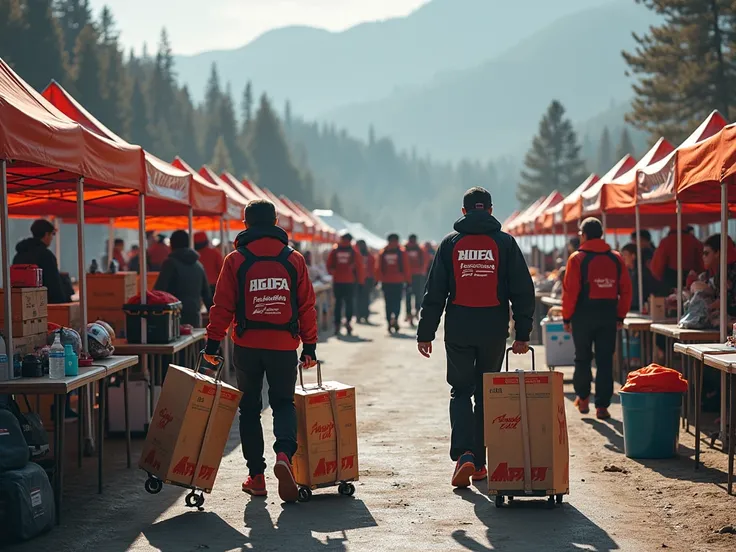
(163, 322)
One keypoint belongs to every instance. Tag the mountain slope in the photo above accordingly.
(484, 111)
(320, 70)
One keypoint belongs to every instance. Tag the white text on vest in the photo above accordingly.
(475, 255)
(267, 284)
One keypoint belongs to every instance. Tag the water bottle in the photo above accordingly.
(56, 359)
(4, 369)
(71, 362)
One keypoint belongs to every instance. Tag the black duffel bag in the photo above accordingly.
(26, 503)
(13, 447)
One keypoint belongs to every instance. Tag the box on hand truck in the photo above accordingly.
(327, 437)
(526, 435)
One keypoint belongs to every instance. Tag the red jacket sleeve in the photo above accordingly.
(659, 261)
(625, 291)
(571, 286)
(359, 266)
(307, 301)
(222, 311)
(331, 263)
(379, 266)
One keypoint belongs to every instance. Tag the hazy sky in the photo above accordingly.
(198, 25)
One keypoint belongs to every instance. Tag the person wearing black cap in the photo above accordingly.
(35, 250)
(477, 272)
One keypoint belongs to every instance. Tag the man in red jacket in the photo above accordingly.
(210, 257)
(264, 289)
(364, 292)
(392, 270)
(417, 261)
(345, 265)
(596, 295)
(664, 262)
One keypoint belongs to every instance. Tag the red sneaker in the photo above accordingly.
(583, 405)
(480, 474)
(255, 485)
(602, 413)
(288, 489)
(464, 470)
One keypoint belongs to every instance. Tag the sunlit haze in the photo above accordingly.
(196, 26)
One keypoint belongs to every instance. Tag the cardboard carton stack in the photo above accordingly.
(67, 315)
(30, 318)
(190, 428)
(327, 434)
(526, 433)
(106, 295)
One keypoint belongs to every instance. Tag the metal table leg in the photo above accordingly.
(82, 392)
(101, 432)
(698, 407)
(151, 379)
(59, 423)
(127, 413)
(627, 363)
(731, 430)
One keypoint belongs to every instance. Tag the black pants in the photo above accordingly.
(344, 297)
(416, 292)
(392, 295)
(280, 370)
(364, 298)
(465, 368)
(598, 332)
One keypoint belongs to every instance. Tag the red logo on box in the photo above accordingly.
(506, 422)
(184, 467)
(504, 473)
(164, 418)
(323, 431)
(151, 460)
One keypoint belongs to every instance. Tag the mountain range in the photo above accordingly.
(455, 78)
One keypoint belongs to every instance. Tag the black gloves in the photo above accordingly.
(309, 350)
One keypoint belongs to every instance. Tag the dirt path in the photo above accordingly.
(404, 501)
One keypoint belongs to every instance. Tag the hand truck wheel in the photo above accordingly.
(153, 485)
(499, 501)
(305, 494)
(346, 489)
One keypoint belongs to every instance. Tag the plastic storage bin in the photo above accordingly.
(559, 349)
(651, 424)
(163, 322)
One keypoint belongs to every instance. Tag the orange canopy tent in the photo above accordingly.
(299, 232)
(516, 227)
(536, 226)
(287, 219)
(329, 234)
(310, 228)
(235, 201)
(592, 200)
(702, 167)
(572, 207)
(509, 220)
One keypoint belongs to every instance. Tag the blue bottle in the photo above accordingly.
(71, 362)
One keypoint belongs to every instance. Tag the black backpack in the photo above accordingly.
(31, 426)
(13, 448)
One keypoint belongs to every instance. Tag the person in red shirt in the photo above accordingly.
(364, 292)
(210, 257)
(157, 251)
(118, 254)
(417, 260)
(345, 265)
(664, 262)
(392, 270)
(265, 292)
(596, 295)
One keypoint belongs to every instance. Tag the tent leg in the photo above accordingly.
(191, 227)
(723, 291)
(4, 231)
(110, 244)
(639, 263)
(223, 246)
(678, 207)
(57, 241)
(142, 251)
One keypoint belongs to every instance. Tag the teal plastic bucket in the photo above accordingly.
(651, 424)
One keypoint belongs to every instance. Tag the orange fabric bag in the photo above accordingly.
(655, 379)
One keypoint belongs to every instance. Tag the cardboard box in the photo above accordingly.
(544, 435)
(67, 315)
(114, 317)
(151, 278)
(27, 304)
(26, 345)
(185, 440)
(110, 291)
(30, 327)
(327, 434)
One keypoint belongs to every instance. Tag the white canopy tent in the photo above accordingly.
(358, 231)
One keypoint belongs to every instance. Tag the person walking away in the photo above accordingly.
(365, 290)
(392, 270)
(265, 291)
(345, 265)
(664, 262)
(210, 257)
(596, 295)
(183, 276)
(478, 272)
(430, 251)
(35, 250)
(157, 251)
(417, 261)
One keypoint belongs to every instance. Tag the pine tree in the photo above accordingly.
(287, 114)
(239, 156)
(163, 80)
(140, 129)
(108, 32)
(605, 152)
(41, 57)
(187, 135)
(247, 107)
(553, 162)
(685, 66)
(12, 29)
(221, 158)
(89, 82)
(116, 114)
(213, 98)
(625, 145)
(73, 17)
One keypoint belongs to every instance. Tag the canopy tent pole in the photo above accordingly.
(143, 256)
(678, 207)
(57, 241)
(223, 248)
(82, 279)
(639, 275)
(7, 307)
(603, 222)
(723, 290)
(191, 227)
(110, 244)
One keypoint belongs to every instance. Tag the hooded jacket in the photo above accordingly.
(468, 325)
(392, 266)
(572, 285)
(416, 259)
(263, 242)
(664, 263)
(345, 264)
(34, 251)
(183, 276)
(211, 259)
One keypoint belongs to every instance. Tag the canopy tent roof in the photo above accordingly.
(506, 223)
(286, 217)
(591, 198)
(516, 226)
(537, 217)
(299, 228)
(309, 225)
(235, 202)
(702, 167)
(655, 183)
(207, 199)
(238, 186)
(572, 207)
(358, 231)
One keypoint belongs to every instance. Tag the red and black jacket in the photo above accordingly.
(478, 271)
(416, 258)
(345, 264)
(268, 244)
(392, 267)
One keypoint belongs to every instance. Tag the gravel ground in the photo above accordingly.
(403, 500)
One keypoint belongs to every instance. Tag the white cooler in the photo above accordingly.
(139, 397)
(559, 349)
